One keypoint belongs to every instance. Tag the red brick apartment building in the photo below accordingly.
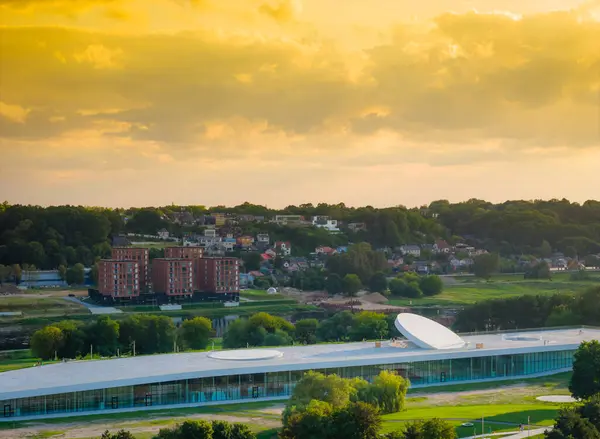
(173, 277)
(184, 252)
(118, 279)
(139, 255)
(218, 275)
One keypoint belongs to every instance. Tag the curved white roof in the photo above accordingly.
(76, 376)
(426, 333)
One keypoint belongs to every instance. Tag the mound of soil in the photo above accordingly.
(374, 298)
(9, 289)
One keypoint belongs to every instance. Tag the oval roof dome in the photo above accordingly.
(426, 333)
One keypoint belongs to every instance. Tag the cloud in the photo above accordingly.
(282, 10)
(13, 113)
(465, 79)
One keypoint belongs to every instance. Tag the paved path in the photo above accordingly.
(94, 309)
(517, 434)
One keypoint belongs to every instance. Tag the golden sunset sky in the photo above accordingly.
(277, 102)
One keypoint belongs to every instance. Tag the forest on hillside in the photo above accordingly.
(65, 235)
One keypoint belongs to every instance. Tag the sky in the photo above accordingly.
(382, 102)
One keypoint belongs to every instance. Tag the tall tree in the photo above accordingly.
(196, 332)
(585, 380)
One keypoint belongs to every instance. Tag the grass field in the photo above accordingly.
(467, 290)
(260, 295)
(40, 306)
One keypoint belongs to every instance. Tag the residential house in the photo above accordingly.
(210, 239)
(322, 250)
(288, 219)
(441, 246)
(421, 267)
(283, 248)
(262, 241)
(245, 241)
(229, 243)
(246, 218)
(163, 234)
(411, 249)
(211, 232)
(220, 218)
(246, 280)
(270, 252)
(120, 241)
(324, 222)
(357, 227)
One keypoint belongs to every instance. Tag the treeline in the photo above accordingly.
(50, 237)
(65, 235)
(529, 311)
(149, 334)
(136, 334)
(581, 420)
(263, 329)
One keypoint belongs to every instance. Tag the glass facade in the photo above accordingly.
(280, 384)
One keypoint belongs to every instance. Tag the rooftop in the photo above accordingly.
(88, 375)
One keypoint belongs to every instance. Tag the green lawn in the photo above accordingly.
(501, 417)
(553, 384)
(469, 290)
(260, 295)
(40, 305)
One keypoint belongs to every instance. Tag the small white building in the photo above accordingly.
(324, 222)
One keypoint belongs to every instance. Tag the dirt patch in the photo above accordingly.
(375, 298)
(95, 429)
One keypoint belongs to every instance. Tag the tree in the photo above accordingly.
(369, 325)
(357, 420)
(431, 285)
(196, 430)
(62, 272)
(277, 338)
(252, 261)
(315, 386)
(240, 333)
(4, 273)
(17, 273)
(337, 327)
(46, 342)
(582, 421)
(76, 275)
(309, 422)
(196, 332)
(241, 431)
(541, 270)
(333, 284)
(545, 249)
(585, 380)
(103, 335)
(438, 429)
(73, 342)
(306, 331)
(94, 274)
(378, 282)
(121, 434)
(387, 392)
(410, 289)
(485, 265)
(351, 284)
(221, 430)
